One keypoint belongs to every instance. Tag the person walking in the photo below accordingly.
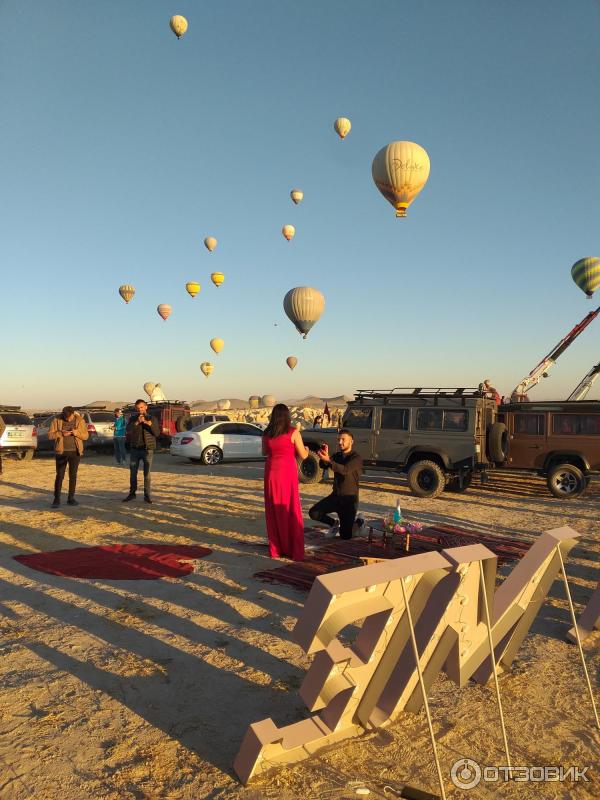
(281, 444)
(119, 437)
(347, 467)
(142, 430)
(69, 432)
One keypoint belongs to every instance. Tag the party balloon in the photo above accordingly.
(206, 368)
(164, 310)
(291, 361)
(342, 127)
(179, 25)
(297, 195)
(217, 345)
(192, 288)
(149, 388)
(268, 401)
(223, 405)
(126, 291)
(400, 170)
(254, 401)
(217, 278)
(210, 243)
(288, 231)
(304, 306)
(586, 274)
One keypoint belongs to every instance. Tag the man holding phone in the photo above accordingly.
(347, 467)
(142, 431)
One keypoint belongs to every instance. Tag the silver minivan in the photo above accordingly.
(20, 435)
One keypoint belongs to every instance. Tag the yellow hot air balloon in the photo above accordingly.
(210, 243)
(304, 306)
(217, 345)
(206, 368)
(297, 195)
(192, 288)
(400, 170)
(164, 310)
(342, 127)
(291, 361)
(288, 231)
(254, 401)
(217, 278)
(586, 274)
(126, 291)
(179, 25)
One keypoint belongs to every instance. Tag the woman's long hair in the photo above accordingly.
(280, 422)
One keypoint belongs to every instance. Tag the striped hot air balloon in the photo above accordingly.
(192, 288)
(400, 170)
(342, 127)
(304, 306)
(127, 291)
(217, 278)
(297, 195)
(207, 368)
(586, 274)
(268, 401)
(254, 401)
(164, 310)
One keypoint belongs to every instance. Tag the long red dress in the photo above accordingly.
(285, 527)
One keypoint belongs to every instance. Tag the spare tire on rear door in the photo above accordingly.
(183, 423)
(497, 443)
(310, 470)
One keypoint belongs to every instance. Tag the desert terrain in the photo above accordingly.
(124, 690)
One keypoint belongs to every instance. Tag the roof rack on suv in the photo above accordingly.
(9, 408)
(419, 391)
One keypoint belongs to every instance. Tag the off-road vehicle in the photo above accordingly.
(559, 440)
(438, 437)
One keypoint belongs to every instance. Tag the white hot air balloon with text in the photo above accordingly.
(400, 171)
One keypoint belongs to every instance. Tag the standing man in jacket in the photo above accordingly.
(142, 431)
(69, 432)
(119, 436)
(347, 467)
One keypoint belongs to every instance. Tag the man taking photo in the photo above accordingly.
(347, 467)
(142, 432)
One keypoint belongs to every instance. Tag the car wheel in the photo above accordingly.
(426, 479)
(211, 455)
(309, 469)
(27, 455)
(566, 481)
(454, 484)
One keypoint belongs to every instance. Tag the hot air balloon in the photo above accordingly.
(586, 274)
(217, 345)
(126, 291)
(267, 400)
(164, 310)
(297, 195)
(342, 127)
(210, 243)
(217, 278)
(179, 25)
(400, 170)
(304, 306)
(192, 288)
(206, 368)
(254, 401)
(291, 361)
(223, 405)
(149, 388)
(288, 231)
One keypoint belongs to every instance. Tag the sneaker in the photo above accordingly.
(359, 525)
(332, 532)
(72, 502)
(128, 498)
(55, 503)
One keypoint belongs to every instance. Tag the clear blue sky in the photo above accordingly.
(122, 148)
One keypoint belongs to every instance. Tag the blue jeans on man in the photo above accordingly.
(137, 454)
(120, 452)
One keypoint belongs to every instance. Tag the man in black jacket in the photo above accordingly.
(142, 432)
(347, 467)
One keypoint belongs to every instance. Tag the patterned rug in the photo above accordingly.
(337, 554)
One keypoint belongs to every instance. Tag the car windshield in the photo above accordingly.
(13, 418)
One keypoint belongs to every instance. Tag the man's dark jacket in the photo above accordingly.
(142, 436)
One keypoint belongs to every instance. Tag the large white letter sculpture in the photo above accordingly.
(366, 685)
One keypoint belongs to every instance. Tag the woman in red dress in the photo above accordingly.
(281, 444)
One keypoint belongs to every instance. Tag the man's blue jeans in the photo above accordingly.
(120, 452)
(137, 454)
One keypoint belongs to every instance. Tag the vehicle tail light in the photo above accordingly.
(166, 429)
(34, 432)
(186, 440)
(91, 428)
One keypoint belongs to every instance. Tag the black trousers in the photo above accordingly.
(345, 506)
(71, 459)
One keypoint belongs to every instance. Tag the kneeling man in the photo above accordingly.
(347, 467)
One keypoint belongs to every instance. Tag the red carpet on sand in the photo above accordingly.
(118, 562)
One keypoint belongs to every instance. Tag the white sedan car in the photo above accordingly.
(210, 444)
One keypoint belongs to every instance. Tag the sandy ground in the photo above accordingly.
(144, 689)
